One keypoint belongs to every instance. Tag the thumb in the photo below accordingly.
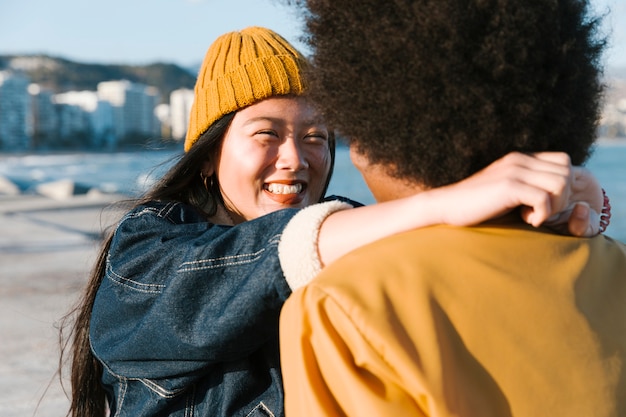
(583, 221)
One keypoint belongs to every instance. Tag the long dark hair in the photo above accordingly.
(182, 183)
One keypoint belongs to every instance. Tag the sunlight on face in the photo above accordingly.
(275, 154)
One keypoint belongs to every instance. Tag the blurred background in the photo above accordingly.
(94, 101)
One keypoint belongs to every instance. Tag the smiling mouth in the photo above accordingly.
(282, 189)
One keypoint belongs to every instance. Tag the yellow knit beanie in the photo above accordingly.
(240, 69)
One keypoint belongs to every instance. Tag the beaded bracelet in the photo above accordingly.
(605, 216)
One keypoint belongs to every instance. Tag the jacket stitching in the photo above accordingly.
(200, 268)
(159, 390)
(132, 215)
(264, 407)
(197, 265)
(190, 407)
(123, 391)
(167, 208)
(147, 288)
(222, 258)
(151, 211)
(235, 260)
(144, 210)
(274, 239)
(151, 385)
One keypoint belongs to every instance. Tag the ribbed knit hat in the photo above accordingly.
(240, 69)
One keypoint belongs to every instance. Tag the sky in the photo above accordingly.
(138, 32)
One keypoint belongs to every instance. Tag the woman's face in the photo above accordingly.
(275, 154)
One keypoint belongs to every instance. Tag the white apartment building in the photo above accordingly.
(162, 113)
(97, 115)
(133, 107)
(180, 108)
(15, 120)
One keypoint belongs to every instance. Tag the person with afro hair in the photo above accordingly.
(501, 319)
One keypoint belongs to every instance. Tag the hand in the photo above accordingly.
(582, 215)
(577, 220)
(544, 184)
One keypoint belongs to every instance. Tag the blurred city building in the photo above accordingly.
(180, 107)
(121, 114)
(613, 121)
(15, 115)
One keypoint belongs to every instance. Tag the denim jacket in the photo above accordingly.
(185, 321)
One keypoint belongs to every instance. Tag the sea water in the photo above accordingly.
(608, 164)
(132, 172)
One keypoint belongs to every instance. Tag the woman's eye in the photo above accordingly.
(316, 137)
(267, 133)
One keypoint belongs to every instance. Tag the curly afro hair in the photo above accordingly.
(438, 89)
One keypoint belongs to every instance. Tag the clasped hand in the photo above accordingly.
(548, 188)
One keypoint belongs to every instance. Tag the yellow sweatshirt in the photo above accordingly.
(497, 320)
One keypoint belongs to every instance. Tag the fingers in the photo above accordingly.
(553, 167)
(584, 221)
(557, 158)
(583, 202)
(577, 220)
(586, 187)
(556, 177)
(537, 209)
(542, 182)
(547, 187)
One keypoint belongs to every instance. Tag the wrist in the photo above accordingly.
(605, 215)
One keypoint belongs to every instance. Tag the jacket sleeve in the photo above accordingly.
(328, 366)
(297, 249)
(181, 294)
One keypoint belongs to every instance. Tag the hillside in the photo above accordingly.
(61, 75)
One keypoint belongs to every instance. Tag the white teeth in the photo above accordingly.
(275, 188)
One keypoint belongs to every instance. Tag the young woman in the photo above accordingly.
(180, 315)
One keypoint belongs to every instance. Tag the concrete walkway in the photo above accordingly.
(47, 248)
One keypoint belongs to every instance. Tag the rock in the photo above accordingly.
(61, 189)
(7, 187)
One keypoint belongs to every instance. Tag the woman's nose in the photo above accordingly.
(291, 156)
